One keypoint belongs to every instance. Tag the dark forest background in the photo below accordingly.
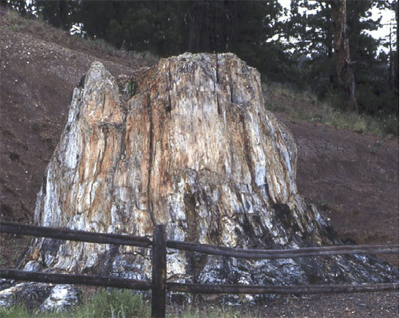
(297, 50)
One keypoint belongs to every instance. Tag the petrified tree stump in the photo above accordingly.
(187, 144)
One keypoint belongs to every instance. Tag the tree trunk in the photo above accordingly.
(344, 73)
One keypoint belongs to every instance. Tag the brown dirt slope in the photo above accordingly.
(352, 177)
(354, 180)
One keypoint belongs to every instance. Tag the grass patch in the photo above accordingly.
(103, 304)
(124, 303)
(117, 303)
(306, 106)
(14, 312)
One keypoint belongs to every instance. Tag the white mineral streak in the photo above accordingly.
(61, 296)
(194, 149)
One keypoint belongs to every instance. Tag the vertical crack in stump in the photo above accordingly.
(215, 86)
(150, 164)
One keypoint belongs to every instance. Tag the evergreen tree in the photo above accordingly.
(60, 13)
(148, 26)
(299, 50)
(246, 28)
(254, 25)
(386, 83)
(174, 27)
(311, 30)
(309, 36)
(23, 7)
(96, 15)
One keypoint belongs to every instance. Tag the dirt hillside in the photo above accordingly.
(352, 177)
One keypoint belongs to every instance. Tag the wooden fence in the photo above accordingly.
(159, 285)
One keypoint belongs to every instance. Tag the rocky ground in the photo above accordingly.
(352, 177)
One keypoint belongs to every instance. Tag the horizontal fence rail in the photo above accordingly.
(300, 289)
(75, 279)
(159, 284)
(289, 253)
(108, 238)
(74, 235)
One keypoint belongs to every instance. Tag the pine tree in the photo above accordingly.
(60, 13)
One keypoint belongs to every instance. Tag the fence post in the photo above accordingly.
(159, 275)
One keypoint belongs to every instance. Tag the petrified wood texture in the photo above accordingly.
(188, 144)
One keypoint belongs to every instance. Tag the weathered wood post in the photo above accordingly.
(159, 275)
